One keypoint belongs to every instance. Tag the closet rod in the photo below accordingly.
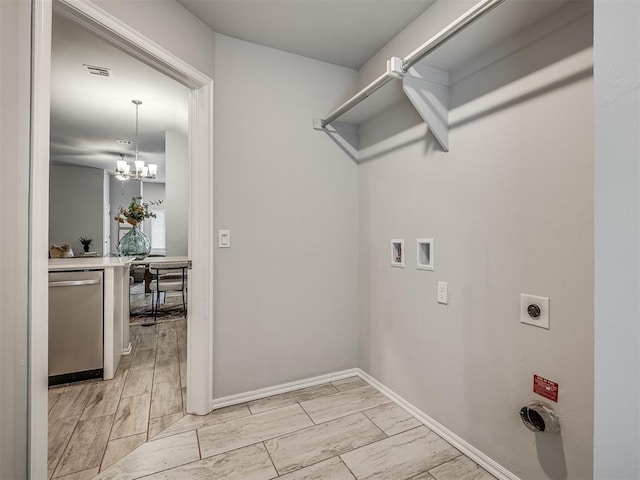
(458, 25)
(447, 33)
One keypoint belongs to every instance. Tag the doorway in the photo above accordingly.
(200, 245)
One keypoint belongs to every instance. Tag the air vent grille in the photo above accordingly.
(97, 71)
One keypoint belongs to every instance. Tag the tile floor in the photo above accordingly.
(343, 430)
(94, 424)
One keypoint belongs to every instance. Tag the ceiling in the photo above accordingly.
(90, 113)
(342, 32)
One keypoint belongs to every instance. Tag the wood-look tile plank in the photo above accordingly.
(86, 446)
(460, 468)
(166, 399)
(183, 374)
(289, 398)
(60, 431)
(168, 335)
(349, 383)
(159, 424)
(155, 456)
(184, 399)
(182, 338)
(104, 400)
(132, 416)
(167, 350)
(72, 401)
(143, 358)
(182, 354)
(248, 463)
(139, 382)
(122, 370)
(392, 419)
(332, 469)
(424, 476)
(312, 445)
(330, 407)
(119, 448)
(84, 475)
(166, 326)
(181, 325)
(167, 370)
(53, 396)
(193, 422)
(401, 456)
(246, 431)
(147, 342)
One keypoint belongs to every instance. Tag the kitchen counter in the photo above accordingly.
(116, 302)
(81, 263)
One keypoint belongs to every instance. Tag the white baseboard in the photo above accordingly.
(490, 465)
(127, 351)
(283, 388)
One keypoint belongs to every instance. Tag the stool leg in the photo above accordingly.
(153, 311)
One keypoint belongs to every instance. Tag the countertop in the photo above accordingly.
(80, 263)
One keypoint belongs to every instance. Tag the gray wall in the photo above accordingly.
(153, 192)
(76, 206)
(120, 194)
(15, 20)
(617, 228)
(171, 26)
(510, 208)
(286, 290)
(177, 193)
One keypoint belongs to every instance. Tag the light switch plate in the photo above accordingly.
(443, 293)
(224, 238)
(542, 320)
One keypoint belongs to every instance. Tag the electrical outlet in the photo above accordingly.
(443, 293)
(534, 311)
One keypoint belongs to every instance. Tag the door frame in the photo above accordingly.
(201, 224)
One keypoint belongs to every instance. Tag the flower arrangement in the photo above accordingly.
(136, 212)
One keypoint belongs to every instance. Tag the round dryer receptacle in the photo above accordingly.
(540, 418)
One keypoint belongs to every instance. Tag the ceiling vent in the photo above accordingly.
(97, 71)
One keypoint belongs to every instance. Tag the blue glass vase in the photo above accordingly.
(134, 244)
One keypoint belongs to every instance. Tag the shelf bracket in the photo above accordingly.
(428, 91)
(344, 135)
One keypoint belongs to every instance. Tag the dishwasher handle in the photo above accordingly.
(74, 283)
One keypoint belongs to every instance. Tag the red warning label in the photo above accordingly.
(545, 388)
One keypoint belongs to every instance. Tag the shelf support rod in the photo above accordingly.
(447, 33)
(378, 83)
(450, 31)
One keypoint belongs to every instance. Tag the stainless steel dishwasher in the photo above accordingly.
(75, 326)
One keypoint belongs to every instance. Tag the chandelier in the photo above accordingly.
(140, 171)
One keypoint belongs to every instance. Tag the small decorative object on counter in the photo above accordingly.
(135, 243)
(60, 251)
(86, 243)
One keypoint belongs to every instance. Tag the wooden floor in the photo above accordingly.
(343, 430)
(94, 424)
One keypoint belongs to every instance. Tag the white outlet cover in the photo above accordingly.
(443, 293)
(542, 302)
